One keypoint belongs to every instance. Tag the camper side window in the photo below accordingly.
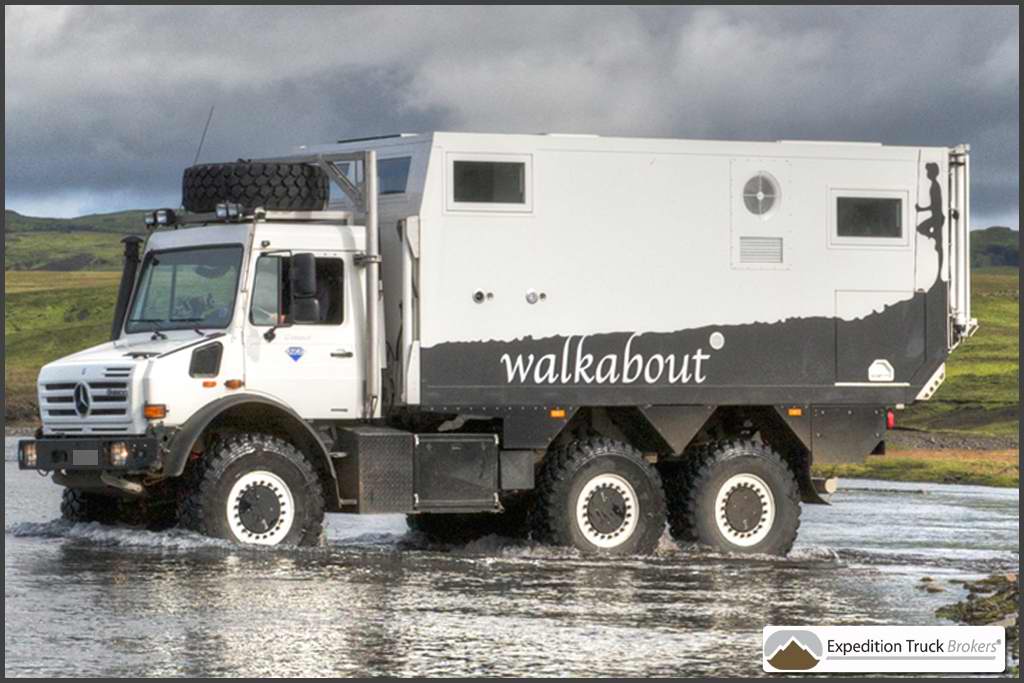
(489, 182)
(869, 217)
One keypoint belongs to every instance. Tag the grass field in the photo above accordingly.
(50, 315)
(983, 468)
(981, 394)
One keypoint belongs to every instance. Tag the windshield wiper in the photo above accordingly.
(155, 322)
(191, 320)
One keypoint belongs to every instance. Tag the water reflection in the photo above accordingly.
(90, 600)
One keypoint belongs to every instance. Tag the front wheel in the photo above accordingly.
(79, 505)
(600, 496)
(255, 489)
(743, 498)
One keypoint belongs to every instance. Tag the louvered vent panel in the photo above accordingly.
(760, 250)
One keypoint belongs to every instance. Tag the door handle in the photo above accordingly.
(341, 353)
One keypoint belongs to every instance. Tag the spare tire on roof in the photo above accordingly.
(272, 185)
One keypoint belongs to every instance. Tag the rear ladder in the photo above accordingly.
(963, 325)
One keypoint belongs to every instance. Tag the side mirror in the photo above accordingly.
(305, 306)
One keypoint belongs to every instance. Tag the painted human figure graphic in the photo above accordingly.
(932, 226)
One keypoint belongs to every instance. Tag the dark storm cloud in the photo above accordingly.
(104, 106)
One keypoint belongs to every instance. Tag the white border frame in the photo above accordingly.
(488, 207)
(901, 242)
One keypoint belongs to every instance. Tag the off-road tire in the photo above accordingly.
(564, 477)
(718, 465)
(277, 186)
(677, 477)
(459, 528)
(77, 505)
(203, 507)
(155, 511)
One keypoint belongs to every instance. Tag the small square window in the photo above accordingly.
(489, 182)
(869, 217)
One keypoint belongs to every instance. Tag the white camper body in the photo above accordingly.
(636, 236)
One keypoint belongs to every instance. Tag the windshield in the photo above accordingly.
(186, 289)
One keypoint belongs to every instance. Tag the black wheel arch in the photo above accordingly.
(263, 415)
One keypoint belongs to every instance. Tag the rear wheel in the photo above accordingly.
(744, 499)
(600, 496)
(255, 489)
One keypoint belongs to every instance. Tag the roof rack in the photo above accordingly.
(185, 218)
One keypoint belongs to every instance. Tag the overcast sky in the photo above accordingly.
(104, 106)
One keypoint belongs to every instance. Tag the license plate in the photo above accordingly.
(85, 457)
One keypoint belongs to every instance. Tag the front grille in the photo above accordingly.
(109, 399)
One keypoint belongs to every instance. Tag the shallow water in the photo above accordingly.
(90, 600)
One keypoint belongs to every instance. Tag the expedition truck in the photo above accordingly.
(582, 338)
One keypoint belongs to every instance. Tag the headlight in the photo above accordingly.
(27, 453)
(118, 454)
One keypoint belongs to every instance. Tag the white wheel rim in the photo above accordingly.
(598, 491)
(260, 483)
(751, 532)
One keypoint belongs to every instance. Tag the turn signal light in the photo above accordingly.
(795, 412)
(557, 413)
(209, 384)
(154, 411)
(233, 384)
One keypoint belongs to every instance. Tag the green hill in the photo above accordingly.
(120, 222)
(995, 246)
(63, 244)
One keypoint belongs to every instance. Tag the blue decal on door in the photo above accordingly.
(295, 352)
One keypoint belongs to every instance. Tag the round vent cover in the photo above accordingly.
(760, 194)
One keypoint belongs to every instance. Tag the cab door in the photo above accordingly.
(315, 368)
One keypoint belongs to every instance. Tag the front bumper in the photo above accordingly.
(89, 454)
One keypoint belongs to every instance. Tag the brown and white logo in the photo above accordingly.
(792, 650)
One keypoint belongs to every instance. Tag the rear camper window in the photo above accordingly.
(869, 217)
(489, 182)
(393, 174)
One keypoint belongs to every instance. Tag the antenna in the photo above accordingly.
(203, 138)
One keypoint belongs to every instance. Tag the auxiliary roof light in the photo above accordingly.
(160, 217)
(228, 210)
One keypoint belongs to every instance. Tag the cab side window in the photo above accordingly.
(271, 291)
